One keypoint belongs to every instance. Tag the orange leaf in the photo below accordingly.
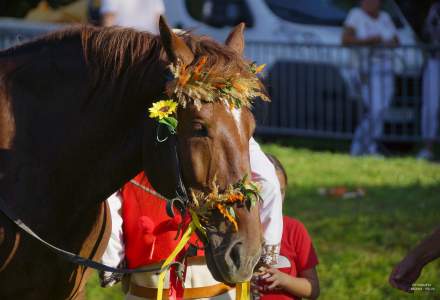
(200, 64)
(183, 78)
(240, 88)
(219, 85)
(260, 68)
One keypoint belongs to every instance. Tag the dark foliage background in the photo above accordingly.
(19, 8)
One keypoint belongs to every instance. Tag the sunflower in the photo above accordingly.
(162, 109)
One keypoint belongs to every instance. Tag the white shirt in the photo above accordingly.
(366, 26)
(271, 212)
(138, 14)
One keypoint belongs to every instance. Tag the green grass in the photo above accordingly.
(358, 240)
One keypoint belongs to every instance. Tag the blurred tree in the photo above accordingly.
(16, 8)
(415, 12)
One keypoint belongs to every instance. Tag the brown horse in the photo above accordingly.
(74, 128)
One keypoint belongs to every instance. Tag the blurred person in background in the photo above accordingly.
(368, 25)
(142, 15)
(431, 84)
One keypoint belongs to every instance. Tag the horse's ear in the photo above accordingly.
(174, 46)
(235, 39)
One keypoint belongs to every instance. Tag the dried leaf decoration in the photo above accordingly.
(199, 84)
(245, 192)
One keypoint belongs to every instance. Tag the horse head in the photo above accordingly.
(212, 146)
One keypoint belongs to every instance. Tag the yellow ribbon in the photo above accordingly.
(185, 237)
(242, 291)
(196, 221)
(195, 224)
(242, 288)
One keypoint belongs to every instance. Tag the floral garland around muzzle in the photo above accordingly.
(245, 193)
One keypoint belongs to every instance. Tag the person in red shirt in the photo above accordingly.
(300, 279)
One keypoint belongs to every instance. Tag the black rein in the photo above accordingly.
(180, 202)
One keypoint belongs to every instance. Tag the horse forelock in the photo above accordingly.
(220, 58)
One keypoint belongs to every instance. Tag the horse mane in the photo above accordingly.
(114, 49)
(113, 53)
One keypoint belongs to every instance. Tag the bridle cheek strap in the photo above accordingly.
(181, 199)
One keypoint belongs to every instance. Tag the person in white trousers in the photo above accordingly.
(367, 25)
(431, 84)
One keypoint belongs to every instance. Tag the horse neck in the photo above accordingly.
(94, 149)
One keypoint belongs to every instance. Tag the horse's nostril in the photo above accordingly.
(235, 254)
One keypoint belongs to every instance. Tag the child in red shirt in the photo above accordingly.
(300, 280)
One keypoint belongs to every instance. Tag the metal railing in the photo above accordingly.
(327, 90)
(322, 90)
(14, 31)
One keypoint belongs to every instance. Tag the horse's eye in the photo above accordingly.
(199, 129)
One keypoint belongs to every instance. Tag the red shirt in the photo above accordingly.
(297, 246)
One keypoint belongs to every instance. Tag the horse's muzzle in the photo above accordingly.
(234, 265)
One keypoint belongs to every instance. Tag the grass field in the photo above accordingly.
(358, 240)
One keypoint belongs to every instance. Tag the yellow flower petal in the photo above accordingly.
(162, 109)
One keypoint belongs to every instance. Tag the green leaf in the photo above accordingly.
(253, 201)
(250, 199)
(248, 204)
(245, 178)
(237, 102)
(231, 211)
(170, 122)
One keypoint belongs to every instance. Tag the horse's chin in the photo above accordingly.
(226, 272)
(214, 269)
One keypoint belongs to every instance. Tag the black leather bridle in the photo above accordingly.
(181, 199)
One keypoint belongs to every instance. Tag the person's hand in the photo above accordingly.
(405, 273)
(270, 280)
(394, 42)
(375, 40)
